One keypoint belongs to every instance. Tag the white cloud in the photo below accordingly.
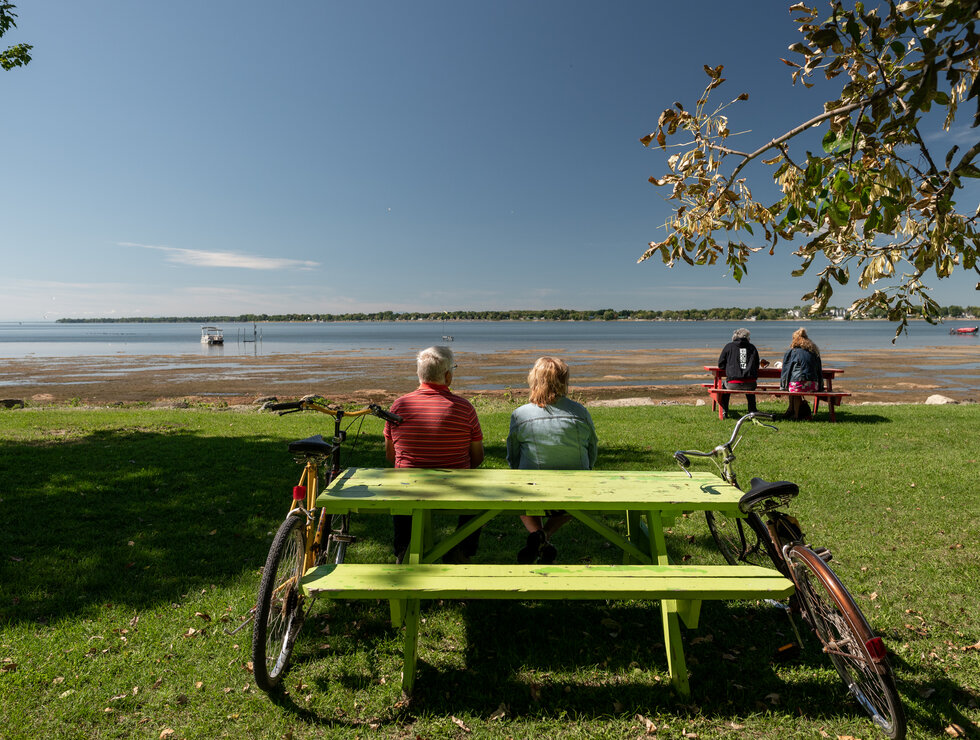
(200, 258)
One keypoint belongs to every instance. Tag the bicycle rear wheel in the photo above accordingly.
(279, 610)
(856, 653)
(737, 539)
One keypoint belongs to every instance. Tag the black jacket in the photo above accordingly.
(740, 360)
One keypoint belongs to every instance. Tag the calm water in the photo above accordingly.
(49, 339)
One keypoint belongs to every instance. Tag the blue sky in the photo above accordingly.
(224, 157)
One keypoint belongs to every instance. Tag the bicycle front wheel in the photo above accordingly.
(737, 539)
(856, 653)
(279, 609)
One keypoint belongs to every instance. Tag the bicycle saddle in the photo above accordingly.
(315, 445)
(765, 496)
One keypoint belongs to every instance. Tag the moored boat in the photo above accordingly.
(212, 335)
(965, 330)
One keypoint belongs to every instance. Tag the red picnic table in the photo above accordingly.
(828, 394)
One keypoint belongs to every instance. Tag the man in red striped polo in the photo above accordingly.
(438, 430)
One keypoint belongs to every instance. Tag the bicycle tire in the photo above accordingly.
(845, 634)
(279, 609)
(737, 539)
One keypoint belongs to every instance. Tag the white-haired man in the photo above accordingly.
(438, 430)
(740, 361)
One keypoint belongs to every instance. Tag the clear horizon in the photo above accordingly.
(335, 158)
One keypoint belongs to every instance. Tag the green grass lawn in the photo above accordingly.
(131, 540)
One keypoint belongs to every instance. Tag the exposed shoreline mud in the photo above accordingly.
(620, 378)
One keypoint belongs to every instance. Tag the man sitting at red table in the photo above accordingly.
(740, 361)
(438, 430)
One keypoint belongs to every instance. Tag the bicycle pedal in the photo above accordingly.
(823, 553)
(789, 651)
(347, 538)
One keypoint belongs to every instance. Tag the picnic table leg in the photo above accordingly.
(411, 648)
(421, 529)
(676, 665)
(412, 607)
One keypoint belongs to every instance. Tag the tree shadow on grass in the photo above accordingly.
(136, 517)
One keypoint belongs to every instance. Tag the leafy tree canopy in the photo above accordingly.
(879, 200)
(19, 54)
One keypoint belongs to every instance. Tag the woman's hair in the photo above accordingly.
(740, 334)
(800, 339)
(434, 363)
(548, 380)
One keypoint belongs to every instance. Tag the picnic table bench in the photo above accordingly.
(649, 500)
(832, 398)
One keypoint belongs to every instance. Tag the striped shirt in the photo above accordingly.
(437, 429)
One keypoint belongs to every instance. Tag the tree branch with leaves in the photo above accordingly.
(19, 54)
(879, 199)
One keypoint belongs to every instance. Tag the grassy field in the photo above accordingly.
(131, 542)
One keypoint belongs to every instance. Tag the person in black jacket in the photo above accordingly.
(740, 361)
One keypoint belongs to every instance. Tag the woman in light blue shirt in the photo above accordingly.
(552, 432)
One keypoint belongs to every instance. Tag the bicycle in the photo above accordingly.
(859, 656)
(308, 537)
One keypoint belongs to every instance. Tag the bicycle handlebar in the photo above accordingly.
(314, 403)
(681, 456)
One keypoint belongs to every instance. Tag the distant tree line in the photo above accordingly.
(550, 314)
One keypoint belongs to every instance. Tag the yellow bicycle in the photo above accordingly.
(308, 537)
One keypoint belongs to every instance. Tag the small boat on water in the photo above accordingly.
(965, 330)
(212, 335)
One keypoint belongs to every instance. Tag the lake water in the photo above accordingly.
(49, 339)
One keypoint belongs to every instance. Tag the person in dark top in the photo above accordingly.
(740, 361)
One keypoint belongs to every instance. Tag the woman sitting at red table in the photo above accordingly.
(740, 361)
(552, 432)
(802, 373)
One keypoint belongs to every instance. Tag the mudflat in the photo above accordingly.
(597, 377)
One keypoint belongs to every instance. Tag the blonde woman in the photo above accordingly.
(802, 371)
(551, 432)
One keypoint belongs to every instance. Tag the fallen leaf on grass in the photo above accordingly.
(612, 625)
(648, 726)
(8, 667)
(954, 730)
(203, 615)
(926, 691)
(167, 732)
(157, 684)
(974, 646)
(501, 712)
(459, 723)
(773, 698)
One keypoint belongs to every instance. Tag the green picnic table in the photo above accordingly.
(649, 500)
